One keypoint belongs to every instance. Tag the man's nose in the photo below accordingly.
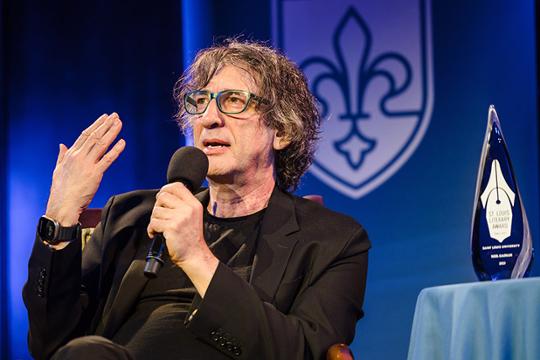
(212, 117)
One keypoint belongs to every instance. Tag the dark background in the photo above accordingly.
(64, 63)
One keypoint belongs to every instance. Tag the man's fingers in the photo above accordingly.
(155, 226)
(162, 213)
(168, 200)
(86, 132)
(103, 141)
(181, 191)
(112, 155)
(96, 138)
(61, 153)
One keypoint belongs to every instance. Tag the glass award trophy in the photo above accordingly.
(501, 242)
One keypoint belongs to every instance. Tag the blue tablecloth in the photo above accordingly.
(485, 320)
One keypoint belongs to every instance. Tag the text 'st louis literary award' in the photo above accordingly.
(501, 242)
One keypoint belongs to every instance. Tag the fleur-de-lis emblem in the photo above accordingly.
(353, 72)
(373, 77)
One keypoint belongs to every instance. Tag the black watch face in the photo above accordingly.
(46, 229)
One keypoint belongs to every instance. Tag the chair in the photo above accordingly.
(339, 352)
(91, 217)
(88, 220)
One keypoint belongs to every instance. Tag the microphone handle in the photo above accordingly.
(154, 258)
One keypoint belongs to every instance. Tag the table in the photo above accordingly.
(484, 320)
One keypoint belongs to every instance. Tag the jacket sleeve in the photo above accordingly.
(60, 294)
(233, 319)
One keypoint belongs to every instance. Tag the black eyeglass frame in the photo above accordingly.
(217, 95)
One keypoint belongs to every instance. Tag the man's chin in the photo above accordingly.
(224, 179)
(217, 170)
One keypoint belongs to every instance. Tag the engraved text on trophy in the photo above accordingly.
(498, 200)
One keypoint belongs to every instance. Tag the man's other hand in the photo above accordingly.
(80, 168)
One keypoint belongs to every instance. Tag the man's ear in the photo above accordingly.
(280, 141)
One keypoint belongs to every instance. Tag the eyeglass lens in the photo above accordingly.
(228, 101)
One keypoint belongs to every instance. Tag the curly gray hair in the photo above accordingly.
(291, 108)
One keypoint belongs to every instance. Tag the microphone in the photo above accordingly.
(189, 166)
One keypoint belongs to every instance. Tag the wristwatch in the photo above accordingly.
(50, 231)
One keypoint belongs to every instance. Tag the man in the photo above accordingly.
(252, 272)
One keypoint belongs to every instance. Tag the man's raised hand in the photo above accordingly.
(80, 168)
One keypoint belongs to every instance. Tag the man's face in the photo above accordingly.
(240, 146)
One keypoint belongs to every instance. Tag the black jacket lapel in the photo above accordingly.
(275, 244)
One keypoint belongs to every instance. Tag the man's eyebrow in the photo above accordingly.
(228, 89)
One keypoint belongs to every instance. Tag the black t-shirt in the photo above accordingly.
(156, 327)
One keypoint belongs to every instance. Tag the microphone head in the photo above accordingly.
(189, 166)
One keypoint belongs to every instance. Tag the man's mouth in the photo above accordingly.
(215, 144)
(212, 143)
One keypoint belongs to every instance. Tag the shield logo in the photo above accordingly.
(370, 66)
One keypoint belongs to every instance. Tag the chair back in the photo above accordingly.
(89, 220)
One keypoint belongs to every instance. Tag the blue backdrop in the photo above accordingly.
(64, 64)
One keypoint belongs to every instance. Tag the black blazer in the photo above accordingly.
(306, 293)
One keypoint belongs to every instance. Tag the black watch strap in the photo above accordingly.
(53, 233)
(68, 233)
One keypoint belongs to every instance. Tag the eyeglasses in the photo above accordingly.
(228, 101)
